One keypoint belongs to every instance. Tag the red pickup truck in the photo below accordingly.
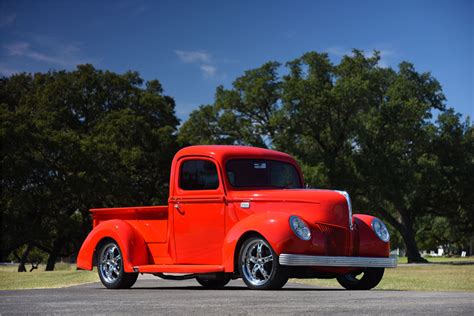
(238, 212)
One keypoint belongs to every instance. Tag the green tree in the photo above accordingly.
(208, 126)
(355, 126)
(76, 140)
(241, 115)
(322, 108)
(395, 156)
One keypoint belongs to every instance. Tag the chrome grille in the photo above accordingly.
(337, 239)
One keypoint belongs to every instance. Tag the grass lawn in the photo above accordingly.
(441, 259)
(436, 277)
(439, 277)
(64, 275)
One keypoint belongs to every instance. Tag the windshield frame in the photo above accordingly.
(288, 162)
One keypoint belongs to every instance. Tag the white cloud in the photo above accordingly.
(204, 60)
(22, 49)
(190, 57)
(17, 48)
(386, 57)
(64, 55)
(7, 19)
(208, 70)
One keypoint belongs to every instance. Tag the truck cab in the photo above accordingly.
(238, 212)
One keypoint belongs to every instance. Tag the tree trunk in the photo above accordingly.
(54, 254)
(413, 254)
(24, 258)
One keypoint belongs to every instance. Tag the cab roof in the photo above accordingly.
(224, 152)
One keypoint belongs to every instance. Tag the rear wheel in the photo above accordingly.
(213, 283)
(110, 267)
(259, 267)
(361, 280)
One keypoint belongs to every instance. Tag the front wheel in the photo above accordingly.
(361, 280)
(110, 267)
(259, 267)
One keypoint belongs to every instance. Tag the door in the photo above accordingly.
(198, 212)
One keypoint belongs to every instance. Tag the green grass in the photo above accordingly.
(436, 277)
(441, 259)
(442, 277)
(63, 276)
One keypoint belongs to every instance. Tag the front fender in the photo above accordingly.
(274, 227)
(368, 244)
(130, 241)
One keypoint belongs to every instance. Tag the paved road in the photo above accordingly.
(156, 296)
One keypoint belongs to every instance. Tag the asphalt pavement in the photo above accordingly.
(163, 297)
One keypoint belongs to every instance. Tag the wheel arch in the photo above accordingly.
(130, 241)
(240, 242)
(100, 243)
(273, 227)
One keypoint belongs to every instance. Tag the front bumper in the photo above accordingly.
(327, 261)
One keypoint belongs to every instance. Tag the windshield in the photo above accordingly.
(262, 173)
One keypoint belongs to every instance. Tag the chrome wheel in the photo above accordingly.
(257, 262)
(110, 266)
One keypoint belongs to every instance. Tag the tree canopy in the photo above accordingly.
(76, 140)
(355, 126)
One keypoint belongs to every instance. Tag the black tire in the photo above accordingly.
(259, 272)
(363, 280)
(110, 267)
(213, 284)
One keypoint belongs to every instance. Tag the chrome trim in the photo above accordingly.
(257, 262)
(349, 205)
(110, 265)
(327, 261)
(245, 204)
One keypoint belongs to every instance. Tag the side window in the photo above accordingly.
(198, 175)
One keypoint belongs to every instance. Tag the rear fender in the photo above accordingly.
(130, 241)
(274, 227)
(369, 244)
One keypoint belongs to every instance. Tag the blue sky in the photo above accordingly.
(194, 46)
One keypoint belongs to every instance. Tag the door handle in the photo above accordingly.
(178, 208)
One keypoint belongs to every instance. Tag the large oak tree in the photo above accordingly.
(356, 126)
(76, 140)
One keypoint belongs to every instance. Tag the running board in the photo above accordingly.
(175, 277)
(178, 268)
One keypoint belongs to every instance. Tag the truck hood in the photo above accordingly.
(314, 206)
(289, 195)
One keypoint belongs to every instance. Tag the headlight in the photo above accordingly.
(300, 228)
(380, 229)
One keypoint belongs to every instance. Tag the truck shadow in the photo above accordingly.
(235, 288)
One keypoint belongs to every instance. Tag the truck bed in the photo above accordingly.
(150, 221)
(130, 213)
